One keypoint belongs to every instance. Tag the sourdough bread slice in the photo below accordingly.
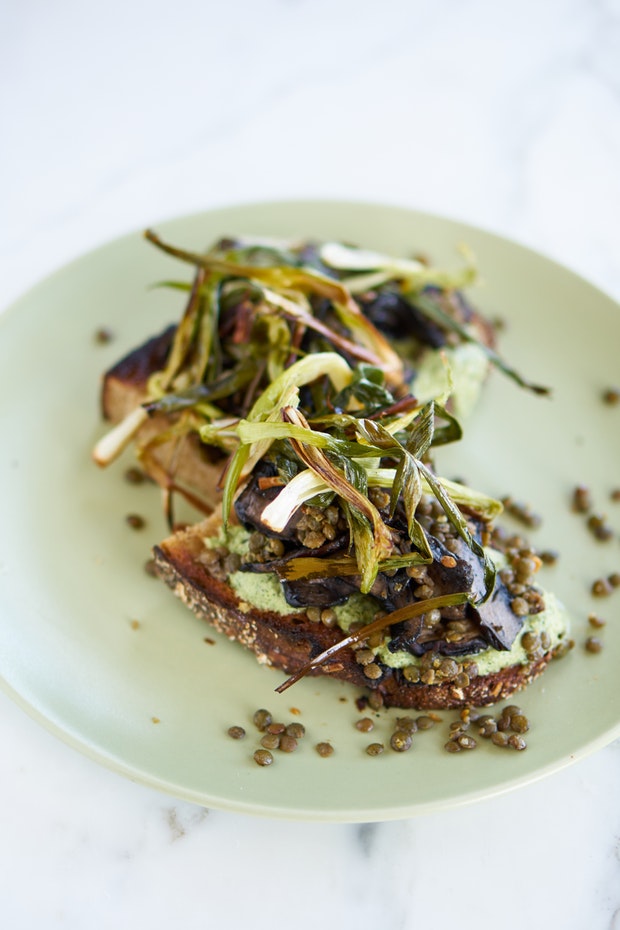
(288, 641)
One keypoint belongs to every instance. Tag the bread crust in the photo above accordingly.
(289, 641)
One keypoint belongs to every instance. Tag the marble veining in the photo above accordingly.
(115, 116)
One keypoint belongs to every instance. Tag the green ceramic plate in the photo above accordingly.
(153, 701)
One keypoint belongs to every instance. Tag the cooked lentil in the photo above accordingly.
(582, 499)
(365, 725)
(599, 528)
(324, 749)
(375, 700)
(601, 587)
(517, 742)
(372, 671)
(519, 723)
(407, 724)
(135, 521)
(275, 729)
(400, 741)
(270, 741)
(262, 718)
(288, 743)
(487, 728)
(466, 742)
(593, 644)
(297, 730)
(135, 476)
(375, 749)
(521, 511)
(459, 726)
(236, 732)
(263, 757)
(328, 617)
(364, 656)
(562, 649)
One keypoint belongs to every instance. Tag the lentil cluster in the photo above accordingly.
(504, 729)
(275, 736)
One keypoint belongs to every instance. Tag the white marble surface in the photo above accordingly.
(114, 116)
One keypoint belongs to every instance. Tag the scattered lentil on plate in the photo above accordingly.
(236, 732)
(611, 395)
(134, 475)
(600, 528)
(296, 730)
(288, 743)
(601, 587)
(262, 718)
(522, 512)
(593, 644)
(270, 741)
(401, 741)
(582, 499)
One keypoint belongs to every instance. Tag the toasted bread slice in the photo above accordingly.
(290, 640)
